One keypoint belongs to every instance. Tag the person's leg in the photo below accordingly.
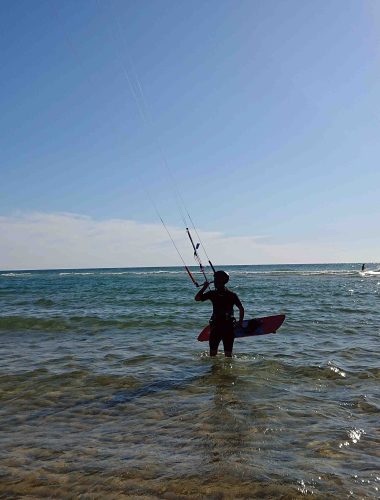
(214, 341)
(228, 339)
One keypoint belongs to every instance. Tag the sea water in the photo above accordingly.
(105, 391)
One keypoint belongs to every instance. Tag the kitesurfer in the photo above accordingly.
(222, 320)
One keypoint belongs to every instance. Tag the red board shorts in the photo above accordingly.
(222, 330)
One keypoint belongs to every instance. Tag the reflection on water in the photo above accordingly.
(207, 427)
(222, 431)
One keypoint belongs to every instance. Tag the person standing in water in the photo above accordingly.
(363, 267)
(222, 320)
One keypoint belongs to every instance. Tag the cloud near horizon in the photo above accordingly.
(66, 240)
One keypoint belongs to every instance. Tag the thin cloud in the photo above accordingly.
(66, 240)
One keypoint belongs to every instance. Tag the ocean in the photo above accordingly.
(106, 393)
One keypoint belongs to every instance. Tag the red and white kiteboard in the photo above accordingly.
(251, 327)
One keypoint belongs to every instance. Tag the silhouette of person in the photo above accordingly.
(363, 267)
(222, 320)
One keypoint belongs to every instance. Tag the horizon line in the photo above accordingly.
(181, 266)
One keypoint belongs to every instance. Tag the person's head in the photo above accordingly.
(221, 279)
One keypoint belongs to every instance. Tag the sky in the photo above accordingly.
(258, 118)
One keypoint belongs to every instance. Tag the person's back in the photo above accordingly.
(222, 319)
(223, 302)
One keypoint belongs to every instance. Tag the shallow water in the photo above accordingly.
(105, 391)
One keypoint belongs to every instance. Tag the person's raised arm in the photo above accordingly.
(199, 296)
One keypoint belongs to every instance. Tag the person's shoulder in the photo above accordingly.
(230, 292)
(208, 295)
(234, 296)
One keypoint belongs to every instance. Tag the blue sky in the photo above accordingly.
(267, 113)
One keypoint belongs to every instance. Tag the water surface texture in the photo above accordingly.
(106, 393)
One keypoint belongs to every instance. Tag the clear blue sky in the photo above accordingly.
(268, 113)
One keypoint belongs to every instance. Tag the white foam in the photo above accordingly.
(75, 274)
(15, 274)
(294, 272)
(119, 273)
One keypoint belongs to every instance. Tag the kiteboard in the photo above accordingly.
(251, 327)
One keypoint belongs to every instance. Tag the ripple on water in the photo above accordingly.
(103, 395)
